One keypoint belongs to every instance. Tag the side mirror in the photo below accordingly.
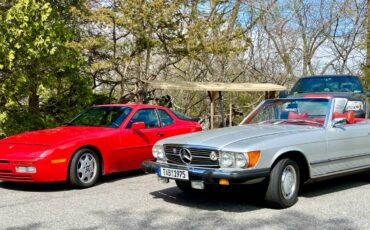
(283, 94)
(338, 121)
(138, 125)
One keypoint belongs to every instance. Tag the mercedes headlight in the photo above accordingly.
(241, 160)
(158, 152)
(227, 159)
(238, 159)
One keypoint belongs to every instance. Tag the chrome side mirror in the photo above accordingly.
(338, 121)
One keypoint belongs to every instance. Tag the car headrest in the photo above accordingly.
(350, 116)
(293, 115)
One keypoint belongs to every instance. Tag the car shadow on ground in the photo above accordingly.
(162, 218)
(35, 187)
(334, 185)
(63, 186)
(251, 197)
(229, 199)
(121, 175)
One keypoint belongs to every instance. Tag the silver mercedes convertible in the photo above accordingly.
(283, 142)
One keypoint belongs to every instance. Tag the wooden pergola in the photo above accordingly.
(214, 88)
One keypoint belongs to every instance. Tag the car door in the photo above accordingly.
(348, 147)
(137, 144)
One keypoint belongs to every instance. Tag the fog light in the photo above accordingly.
(224, 182)
(163, 180)
(197, 184)
(25, 169)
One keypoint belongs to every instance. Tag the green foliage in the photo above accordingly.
(54, 53)
(127, 41)
(25, 33)
(40, 80)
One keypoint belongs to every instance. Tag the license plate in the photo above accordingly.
(173, 173)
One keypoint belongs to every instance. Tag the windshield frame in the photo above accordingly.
(328, 115)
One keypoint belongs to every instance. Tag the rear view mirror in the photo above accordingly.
(339, 121)
(283, 94)
(138, 125)
(291, 106)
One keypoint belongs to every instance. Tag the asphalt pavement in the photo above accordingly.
(137, 201)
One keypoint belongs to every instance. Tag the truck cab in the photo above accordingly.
(345, 86)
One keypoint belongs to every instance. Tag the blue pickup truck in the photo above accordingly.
(346, 86)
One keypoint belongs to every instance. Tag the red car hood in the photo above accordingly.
(52, 136)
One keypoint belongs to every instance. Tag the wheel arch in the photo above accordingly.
(299, 158)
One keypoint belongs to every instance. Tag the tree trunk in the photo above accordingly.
(33, 99)
(367, 67)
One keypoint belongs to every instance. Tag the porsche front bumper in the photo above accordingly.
(45, 172)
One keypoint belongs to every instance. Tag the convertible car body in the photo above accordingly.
(99, 141)
(282, 143)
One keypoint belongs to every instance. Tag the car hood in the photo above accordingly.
(50, 137)
(219, 138)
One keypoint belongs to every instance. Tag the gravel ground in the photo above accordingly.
(137, 201)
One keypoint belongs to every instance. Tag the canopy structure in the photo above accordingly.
(215, 87)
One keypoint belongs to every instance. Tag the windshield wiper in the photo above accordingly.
(270, 121)
(279, 121)
(297, 121)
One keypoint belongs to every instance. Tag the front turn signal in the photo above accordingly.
(57, 161)
(253, 156)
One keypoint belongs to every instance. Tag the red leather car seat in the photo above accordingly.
(293, 115)
(350, 116)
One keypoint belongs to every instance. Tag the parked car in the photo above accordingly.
(282, 143)
(99, 141)
(345, 86)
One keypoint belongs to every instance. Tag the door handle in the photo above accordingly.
(160, 134)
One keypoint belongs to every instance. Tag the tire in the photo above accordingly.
(283, 186)
(85, 168)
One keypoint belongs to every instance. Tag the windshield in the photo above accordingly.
(103, 116)
(328, 84)
(305, 111)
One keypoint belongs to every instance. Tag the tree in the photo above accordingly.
(367, 64)
(39, 75)
(128, 42)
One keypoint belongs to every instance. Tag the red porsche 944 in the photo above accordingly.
(99, 141)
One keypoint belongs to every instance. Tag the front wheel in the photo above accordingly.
(283, 187)
(84, 169)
